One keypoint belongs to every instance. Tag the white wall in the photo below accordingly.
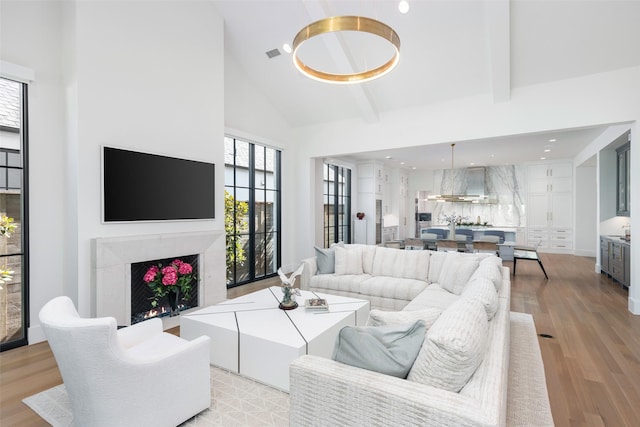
(598, 99)
(586, 208)
(30, 34)
(148, 76)
(249, 115)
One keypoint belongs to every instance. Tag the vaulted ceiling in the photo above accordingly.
(449, 49)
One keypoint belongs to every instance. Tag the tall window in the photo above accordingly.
(337, 204)
(13, 215)
(252, 211)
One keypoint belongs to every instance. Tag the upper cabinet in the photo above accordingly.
(550, 206)
(623, 180)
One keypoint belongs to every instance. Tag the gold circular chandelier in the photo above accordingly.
(346, 23)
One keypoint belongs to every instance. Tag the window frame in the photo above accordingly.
(333, 218)
(24, 223)
(254, 235)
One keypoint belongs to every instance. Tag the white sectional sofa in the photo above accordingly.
(408, 284)
(392, 279)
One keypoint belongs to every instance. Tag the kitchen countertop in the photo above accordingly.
(506, 229)
(619, 239)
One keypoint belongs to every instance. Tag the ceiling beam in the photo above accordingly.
(344, 62)
(499, 46)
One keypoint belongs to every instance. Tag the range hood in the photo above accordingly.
(472, 189)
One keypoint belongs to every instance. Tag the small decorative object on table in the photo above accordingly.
(360, 215)
(452, 220)
(169, 281)
(289, 298)
(316, 304)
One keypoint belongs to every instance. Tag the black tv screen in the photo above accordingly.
(149, 187)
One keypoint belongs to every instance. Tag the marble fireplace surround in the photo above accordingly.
(113, 256)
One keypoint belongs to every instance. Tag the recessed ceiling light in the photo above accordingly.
(546, 150)
(553, 140)
(413, 167)
(402, 163)
(388, 157)
(403, 6)
(543, 158)
(472, 163)
(286, 47)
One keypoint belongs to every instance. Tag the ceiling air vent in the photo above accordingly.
(273, 53)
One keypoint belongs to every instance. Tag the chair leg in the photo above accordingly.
(542, 267)
(514, 265)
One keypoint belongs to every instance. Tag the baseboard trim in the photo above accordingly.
(634, 306)
(36, 335)
(586, 253)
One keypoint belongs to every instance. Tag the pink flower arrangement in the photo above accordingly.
(175, 277)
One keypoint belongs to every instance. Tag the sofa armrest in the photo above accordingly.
(325, 392)
(310, 269)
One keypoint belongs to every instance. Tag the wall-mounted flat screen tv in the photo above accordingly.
(149, 187)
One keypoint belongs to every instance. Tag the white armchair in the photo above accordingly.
(134, 376)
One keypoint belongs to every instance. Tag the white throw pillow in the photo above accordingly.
(348, 261)
(404, 264)
(368, 254)
(435, 265)
(454, 347)
(491, 268)
(483, 290)
(380, 317)
(456, 272)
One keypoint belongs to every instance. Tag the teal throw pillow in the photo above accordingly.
(388, 349)
(325, 260)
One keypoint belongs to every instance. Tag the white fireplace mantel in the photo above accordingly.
(111, 268)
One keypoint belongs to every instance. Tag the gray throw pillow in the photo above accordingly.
(388, 349)
(325, 260)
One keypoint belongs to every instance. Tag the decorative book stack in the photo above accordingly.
(316, 304)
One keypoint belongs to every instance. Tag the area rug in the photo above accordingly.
(235, 402)
(241, 402)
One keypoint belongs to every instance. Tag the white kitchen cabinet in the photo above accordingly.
(550, 206)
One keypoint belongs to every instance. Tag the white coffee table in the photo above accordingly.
(251, 336)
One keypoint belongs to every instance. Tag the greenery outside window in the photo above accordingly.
(337, 204)
(252, 211)
(14, 296)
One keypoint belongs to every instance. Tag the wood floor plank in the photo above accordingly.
(592, 363)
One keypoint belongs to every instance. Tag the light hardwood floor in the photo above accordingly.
(592, 363)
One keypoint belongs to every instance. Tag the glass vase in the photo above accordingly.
(173, 297)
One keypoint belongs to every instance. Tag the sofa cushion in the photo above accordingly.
(388, 349)
(348, 260)
(490, 268)
(381, 317)
(400, 263)
(456, 272)
(433, 296)
(325, 260)
(454, 346)
(368, 254)
(483, 290)
(339, 285)
(392, 287)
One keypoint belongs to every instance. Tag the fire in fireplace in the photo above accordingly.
(142, 295)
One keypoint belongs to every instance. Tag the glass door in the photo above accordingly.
(13, 215)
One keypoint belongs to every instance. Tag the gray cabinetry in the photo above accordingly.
(604, 255)
(615, 259)
(623, 180)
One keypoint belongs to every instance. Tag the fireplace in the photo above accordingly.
(112, 258)
(142, 295)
